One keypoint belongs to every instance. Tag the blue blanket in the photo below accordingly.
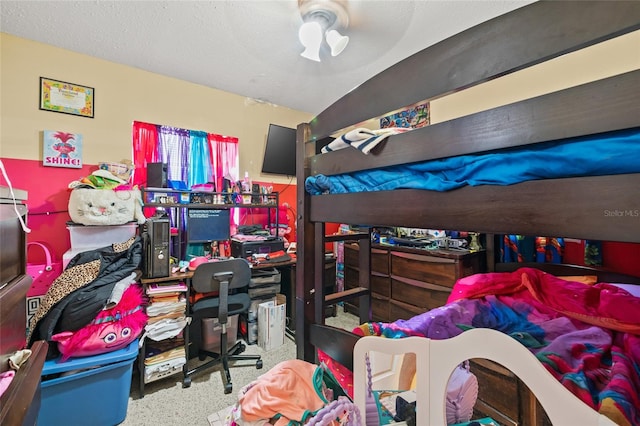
(594, 155)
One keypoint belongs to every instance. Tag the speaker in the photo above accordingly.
(255, 193)
(156, 175)
(155, 236)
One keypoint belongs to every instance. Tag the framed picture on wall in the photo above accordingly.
(66, 98)
(61, 149)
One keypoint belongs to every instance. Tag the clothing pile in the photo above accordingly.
(294, 392)
(93, 281)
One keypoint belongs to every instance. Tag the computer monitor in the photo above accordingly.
(207, 225)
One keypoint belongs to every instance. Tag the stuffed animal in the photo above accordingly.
(112, 329)
(89, 206)
(284, 230)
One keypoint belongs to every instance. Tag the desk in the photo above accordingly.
(192, 347)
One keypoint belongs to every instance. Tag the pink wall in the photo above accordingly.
(48, 196)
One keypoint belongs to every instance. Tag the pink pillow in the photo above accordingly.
(112, 329)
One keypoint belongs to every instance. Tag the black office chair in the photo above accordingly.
(223, 277)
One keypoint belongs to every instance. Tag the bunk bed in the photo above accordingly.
(597, 206)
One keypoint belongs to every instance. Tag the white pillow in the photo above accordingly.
(634, 289)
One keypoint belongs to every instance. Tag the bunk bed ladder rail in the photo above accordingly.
(312, 239)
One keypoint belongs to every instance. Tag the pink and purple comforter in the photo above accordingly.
(588, 337)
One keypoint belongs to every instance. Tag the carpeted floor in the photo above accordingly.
(167, 403)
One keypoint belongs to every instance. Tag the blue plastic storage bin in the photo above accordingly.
(92, 389)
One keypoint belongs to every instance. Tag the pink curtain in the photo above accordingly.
(145, 150)
(224, 158)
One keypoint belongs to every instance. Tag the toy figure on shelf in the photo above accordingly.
(474, 245)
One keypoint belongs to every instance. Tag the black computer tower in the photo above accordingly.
(156, 233)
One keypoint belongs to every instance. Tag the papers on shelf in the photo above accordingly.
(157, 289)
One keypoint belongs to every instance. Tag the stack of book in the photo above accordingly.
(165, 352)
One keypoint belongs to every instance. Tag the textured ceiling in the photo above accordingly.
(249, 48)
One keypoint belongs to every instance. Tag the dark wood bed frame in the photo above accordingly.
(517, 40)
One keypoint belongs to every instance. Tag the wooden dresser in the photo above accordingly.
(407, 281)
(20, 402)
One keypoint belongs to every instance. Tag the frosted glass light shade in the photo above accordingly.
(310, 35)
(337, 42)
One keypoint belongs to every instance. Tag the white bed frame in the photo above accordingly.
(436, 360)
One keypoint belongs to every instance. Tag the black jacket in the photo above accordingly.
(83, 289)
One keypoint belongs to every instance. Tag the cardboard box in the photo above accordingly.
(271, 324)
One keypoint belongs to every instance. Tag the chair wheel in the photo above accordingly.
(259, 364)
(241, 348)
(202, 357)
(228, 388)
(186, 382)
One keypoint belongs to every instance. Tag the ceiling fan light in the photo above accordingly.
(310, 35)
(337, 42)
(311, 54)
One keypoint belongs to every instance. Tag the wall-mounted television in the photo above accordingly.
(280, 151)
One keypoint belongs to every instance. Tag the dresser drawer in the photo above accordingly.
(418, 293)
(380, 308)
(399, 310)
(429, 269)
(351, 253)
(380, 261)
(380, 284)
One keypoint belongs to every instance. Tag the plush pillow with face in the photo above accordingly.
(89, 206)
(112, 329)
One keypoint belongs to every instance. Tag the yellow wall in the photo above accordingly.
(122, 95)
(606, 59)
(603, 60)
